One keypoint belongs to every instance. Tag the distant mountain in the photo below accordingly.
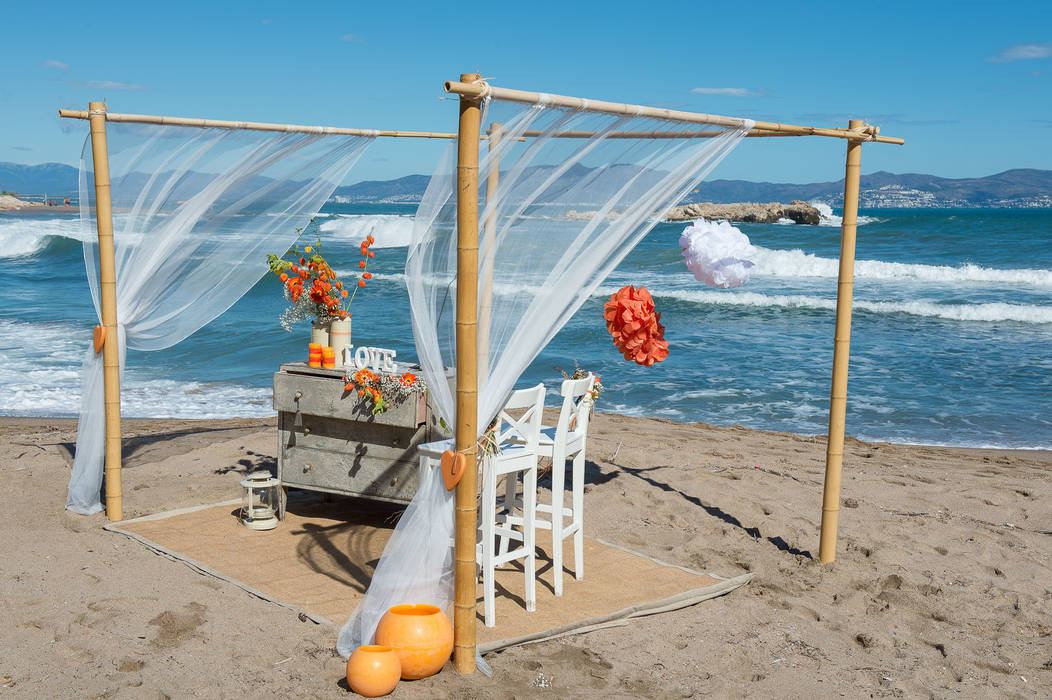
(409, 188)
(52, 178)
(1012, 188)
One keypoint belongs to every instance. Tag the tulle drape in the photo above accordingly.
(564, 213)
(195, 213)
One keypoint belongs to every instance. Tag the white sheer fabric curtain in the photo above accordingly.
(195, 213)
(565, 213)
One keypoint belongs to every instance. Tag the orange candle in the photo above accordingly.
(328, 358)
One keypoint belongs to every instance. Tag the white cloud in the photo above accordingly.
(353, 38)
(1022, 52)
(55, 64)
(104, 85)
(730, 92)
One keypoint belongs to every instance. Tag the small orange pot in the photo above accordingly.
(373, 670)
(421, 636)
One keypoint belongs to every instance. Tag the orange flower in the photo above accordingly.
(367, 275)
(635, 327)
(361, 283)
(361, 264)
(372, 254)
(349, 386)
(343, 294)
(303, 261)
(371, 239)
(339, 284)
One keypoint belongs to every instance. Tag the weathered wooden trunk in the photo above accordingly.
(329, 440)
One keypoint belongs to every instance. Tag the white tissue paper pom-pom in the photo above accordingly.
(717, 253)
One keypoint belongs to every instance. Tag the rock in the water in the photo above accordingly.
(748, 212)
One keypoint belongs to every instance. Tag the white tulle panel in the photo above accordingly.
(195, 211)
(563, 214)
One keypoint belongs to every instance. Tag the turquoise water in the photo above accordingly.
(951, 333)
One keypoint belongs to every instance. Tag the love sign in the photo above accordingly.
(376, 359)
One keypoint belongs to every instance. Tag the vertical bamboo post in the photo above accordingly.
(489, 236)
(467, 379)
(108, 297)
(841, 351)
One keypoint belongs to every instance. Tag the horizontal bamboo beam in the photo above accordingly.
(755, 133)
(483, 89)
(253, 126)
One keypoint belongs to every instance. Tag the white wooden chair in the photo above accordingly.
(567, 440)
(518, 440)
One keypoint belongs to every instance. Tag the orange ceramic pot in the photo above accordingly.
(421, 636)
(373, 670)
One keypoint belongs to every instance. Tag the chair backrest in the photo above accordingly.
(577, 406)
(525, 429)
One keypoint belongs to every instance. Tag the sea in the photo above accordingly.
(951, 338)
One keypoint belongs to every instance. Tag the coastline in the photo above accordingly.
(940, 583)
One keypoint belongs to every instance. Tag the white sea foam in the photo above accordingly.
(989, 312)
(831, 219)
(389, 230)
(797, 263)
(22, 236)
(40, 376)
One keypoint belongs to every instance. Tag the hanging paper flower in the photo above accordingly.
(636, 328)
(717, 253)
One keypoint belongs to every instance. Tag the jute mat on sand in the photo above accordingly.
(320, 560)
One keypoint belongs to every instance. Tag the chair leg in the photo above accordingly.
(489, 508)
(578, 515)
(558, 486)
(510, 483)
(529, 531)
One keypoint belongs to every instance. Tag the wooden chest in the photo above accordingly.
(329, 440)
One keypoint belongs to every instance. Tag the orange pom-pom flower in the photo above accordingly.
(635, 327)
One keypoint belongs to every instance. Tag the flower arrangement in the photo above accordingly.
(578, 373)
(383, 390)
(635, 327)
(311, 285)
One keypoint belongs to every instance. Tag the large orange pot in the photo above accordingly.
(373, 670)
(421, 636)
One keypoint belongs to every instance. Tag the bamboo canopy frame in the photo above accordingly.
(472, 90)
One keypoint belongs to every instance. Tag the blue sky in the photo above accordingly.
(967, 84)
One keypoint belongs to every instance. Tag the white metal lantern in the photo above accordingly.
(259, 505)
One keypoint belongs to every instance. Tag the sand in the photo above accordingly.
(942, 586)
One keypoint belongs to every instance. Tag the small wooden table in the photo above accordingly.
(329, 440)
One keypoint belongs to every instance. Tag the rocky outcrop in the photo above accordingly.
(748, 212)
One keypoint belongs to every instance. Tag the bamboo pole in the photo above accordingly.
(254, 126)
(755, 133)
(841, 353)
(108, 297)
(482, 89)
(489, 235)
(467, 380)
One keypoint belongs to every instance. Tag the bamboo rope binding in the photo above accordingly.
(108, 299)
(841, 351)
(254, 126)
(482, 89)
(465, 589)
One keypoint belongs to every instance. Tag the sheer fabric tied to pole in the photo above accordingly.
(558, 215)
(195, 213)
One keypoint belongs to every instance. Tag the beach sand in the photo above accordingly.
(942, 586)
